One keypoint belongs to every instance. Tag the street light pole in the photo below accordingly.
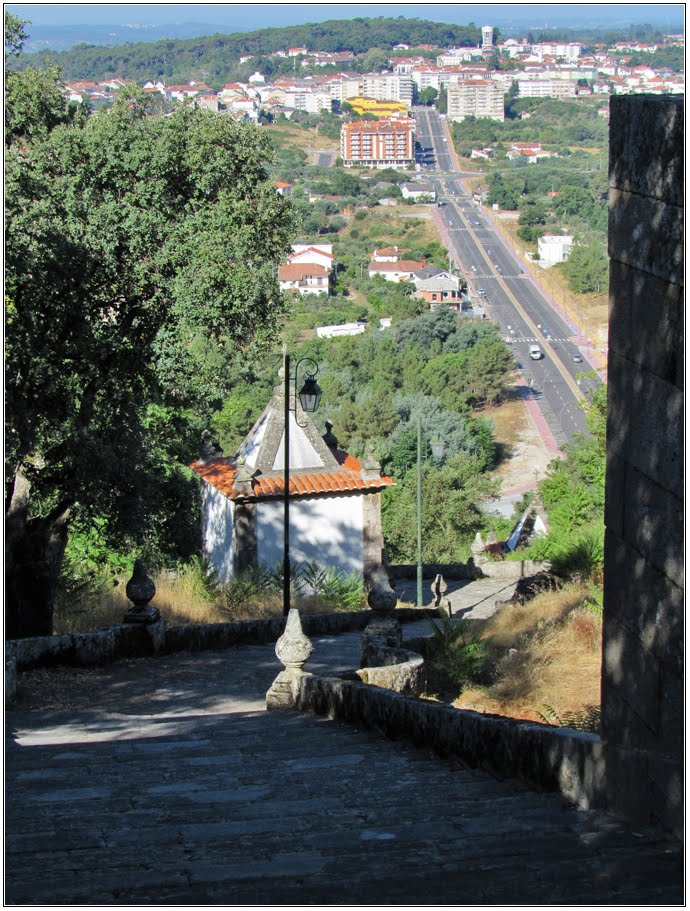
(419, 511)
(309, 396)
(286, 487)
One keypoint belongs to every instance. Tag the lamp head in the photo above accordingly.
(310, 394)
(438, 448)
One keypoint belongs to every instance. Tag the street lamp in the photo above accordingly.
(438, 449)
(309, 396)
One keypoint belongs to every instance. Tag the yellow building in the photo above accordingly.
(377, 108)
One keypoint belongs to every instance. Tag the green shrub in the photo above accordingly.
(460, 659)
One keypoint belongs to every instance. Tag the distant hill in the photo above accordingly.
(216, 58)
(65, 37)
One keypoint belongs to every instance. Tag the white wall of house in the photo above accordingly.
(554, 248)
(327, 530)
(217, 513)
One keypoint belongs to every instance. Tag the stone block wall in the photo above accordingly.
(642, 667)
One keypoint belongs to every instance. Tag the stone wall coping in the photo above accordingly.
(555, 759)
(112, 643)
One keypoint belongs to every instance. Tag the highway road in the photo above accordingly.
(511, 297)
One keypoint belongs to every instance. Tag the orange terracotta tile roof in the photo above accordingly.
(292, 272)
(403, 265)
(220, 473)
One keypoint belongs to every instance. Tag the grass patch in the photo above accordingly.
(190, 596)
(544, 659)
(309, 139)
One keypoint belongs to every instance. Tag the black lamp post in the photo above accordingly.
(309, 396)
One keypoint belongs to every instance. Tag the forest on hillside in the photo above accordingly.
(216, 59)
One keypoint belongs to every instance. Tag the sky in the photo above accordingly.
(243, 16)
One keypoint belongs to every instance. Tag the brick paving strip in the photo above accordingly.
(164, 781)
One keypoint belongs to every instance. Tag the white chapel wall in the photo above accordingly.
(217, 524)
(325, 529)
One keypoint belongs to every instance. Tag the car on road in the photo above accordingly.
(545, 330)
(577, 359)
(535, 352)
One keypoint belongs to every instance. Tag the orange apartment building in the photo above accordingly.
(385, 143)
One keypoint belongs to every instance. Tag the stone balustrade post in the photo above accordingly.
(140, 590)
(383, 630)
(293, 649)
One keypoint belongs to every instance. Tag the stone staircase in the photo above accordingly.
(164, 781)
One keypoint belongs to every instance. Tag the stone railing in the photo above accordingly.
(552, 758)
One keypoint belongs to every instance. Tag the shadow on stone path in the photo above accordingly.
(164, 781)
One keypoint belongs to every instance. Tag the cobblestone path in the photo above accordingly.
(164, 781)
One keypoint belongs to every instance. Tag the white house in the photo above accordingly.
(387, 254)
(305, 278)
(554, 248)
(335, 508)
(422, 192)
(319, 254)
(341, 329)
(308, 269)
(400, 271)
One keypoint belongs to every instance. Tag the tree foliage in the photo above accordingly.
(216, 59)
(141, 257)
(587, 267)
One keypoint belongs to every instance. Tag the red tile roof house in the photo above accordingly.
(304, 278)
(335, 507)
(400, 271)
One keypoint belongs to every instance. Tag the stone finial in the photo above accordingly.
(140, 590)
(438, 589)
(371, 469)
(477, 545)
(244, 475)
(382, 598)
(293, 649)
(208, 449)
(383, 630)
(330, 438)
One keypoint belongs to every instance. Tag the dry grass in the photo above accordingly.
(308, 139)
(181, 600)
(547, 656)
(521, 449)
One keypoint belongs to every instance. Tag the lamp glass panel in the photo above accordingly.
(438, 448)
(310, 395)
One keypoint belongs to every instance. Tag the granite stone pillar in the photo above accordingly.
(642, 662)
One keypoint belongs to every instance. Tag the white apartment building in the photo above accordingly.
(388, 87)
(455, 55)
(569, 51)
(545, 87)
(475, 97)
(308, 100)
(344, 87)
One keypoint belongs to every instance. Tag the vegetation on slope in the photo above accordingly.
(216, 59)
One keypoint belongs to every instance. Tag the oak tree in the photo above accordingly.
(141, 258)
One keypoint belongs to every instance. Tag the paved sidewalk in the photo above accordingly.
(164, 781)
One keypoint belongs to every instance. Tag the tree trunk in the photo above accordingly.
(34, 549)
